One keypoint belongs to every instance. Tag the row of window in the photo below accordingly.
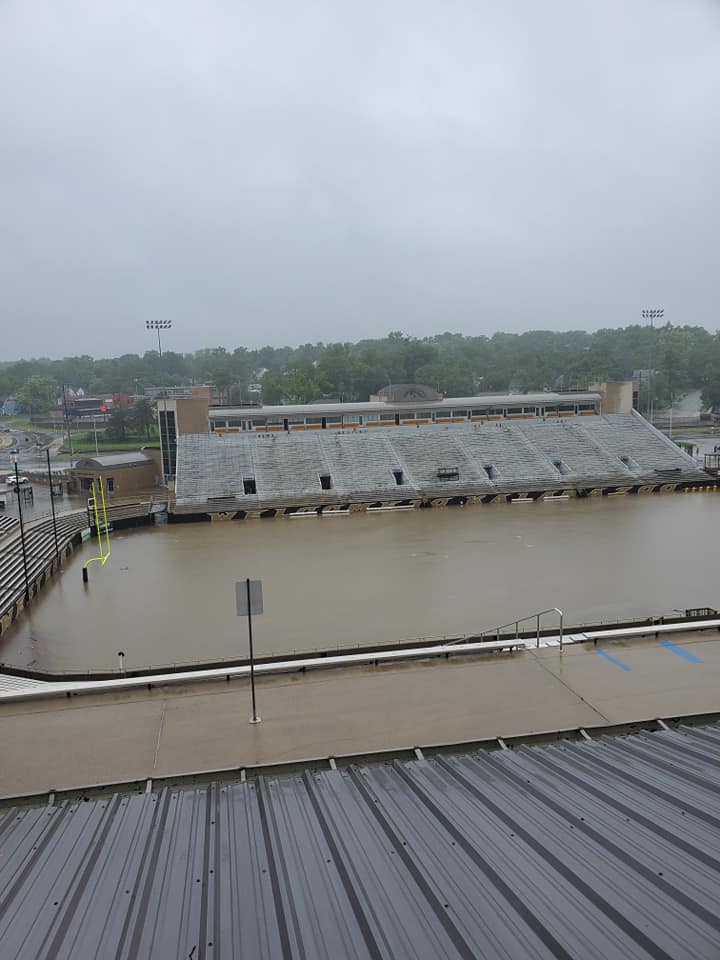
(400, 417)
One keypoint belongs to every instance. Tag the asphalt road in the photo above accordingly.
(29, 448)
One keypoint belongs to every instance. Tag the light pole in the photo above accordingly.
(22, 533)
(66, 417)
(162, 325)
(651, 315)
(52, 505)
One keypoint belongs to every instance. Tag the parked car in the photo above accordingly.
(12, 480)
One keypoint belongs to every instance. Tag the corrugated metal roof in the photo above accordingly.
(604, 849)
(381, 406)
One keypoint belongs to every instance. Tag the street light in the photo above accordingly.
(652, 314)
(162, 325)
(22, 533)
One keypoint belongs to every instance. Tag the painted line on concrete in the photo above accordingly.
(618, 663)
(680, 651)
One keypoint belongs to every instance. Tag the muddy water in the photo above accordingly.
(167, 593)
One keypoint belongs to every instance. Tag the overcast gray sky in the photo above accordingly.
(282, 172)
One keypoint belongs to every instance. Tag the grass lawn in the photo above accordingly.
(21, 423)
(108, 446)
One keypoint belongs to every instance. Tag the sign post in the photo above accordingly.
(249, 601)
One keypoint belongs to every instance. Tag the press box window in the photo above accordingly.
(326, 481)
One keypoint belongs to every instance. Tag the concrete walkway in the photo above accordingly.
(64, 744)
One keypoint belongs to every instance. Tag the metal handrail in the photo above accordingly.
(516, 624)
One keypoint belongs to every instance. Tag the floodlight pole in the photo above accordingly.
(159, 325)
(22, 532)
(652, 314)
(52, 506)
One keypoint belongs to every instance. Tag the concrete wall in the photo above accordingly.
(191, 414)
(617, 395)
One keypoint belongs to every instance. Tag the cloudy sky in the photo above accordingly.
(284, 172)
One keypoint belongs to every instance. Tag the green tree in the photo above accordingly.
(272, 387)
(142, 417)
(38, 394)
(117, 424)
(301, 382)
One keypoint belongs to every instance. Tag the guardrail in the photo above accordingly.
(516, 623)
(19, 688)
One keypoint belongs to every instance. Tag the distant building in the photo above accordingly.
(121, 473)
(206, 390)
(79, 408)
(405, 393)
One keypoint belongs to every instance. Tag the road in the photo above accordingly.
(29, 447)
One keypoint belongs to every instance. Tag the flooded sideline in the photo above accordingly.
(167, 594)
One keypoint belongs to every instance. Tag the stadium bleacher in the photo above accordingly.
(466, 459)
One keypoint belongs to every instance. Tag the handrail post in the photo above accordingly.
(561, 631)
(517, 632)
(538, 632)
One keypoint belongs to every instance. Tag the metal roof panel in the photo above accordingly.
(600, 849)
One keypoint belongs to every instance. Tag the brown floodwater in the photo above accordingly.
(166, 595)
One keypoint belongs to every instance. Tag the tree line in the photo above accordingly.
(681, 357)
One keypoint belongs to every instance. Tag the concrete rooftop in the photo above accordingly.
(60, 744)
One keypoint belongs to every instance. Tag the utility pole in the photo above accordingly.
(67, 422)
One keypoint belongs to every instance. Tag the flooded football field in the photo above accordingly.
(167, 596)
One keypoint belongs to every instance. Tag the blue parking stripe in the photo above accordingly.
(680, 651)
(618, 663)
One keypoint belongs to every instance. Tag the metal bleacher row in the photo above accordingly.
(40, 548)
(39, 552)
(250, 471)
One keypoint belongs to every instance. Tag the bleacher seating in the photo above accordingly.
(425, 453)
(515, 462)
(431, 461)
(210, 468)
(627, 434)
(362, 463)
(567, 440)
(7, 525)
(288, 466)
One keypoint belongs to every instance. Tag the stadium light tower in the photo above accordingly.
(162, 325)
(655, 313)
